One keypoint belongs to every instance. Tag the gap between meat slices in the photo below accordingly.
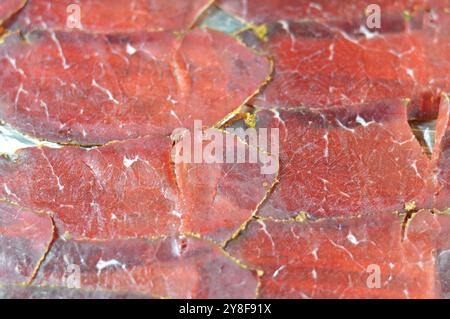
(128, 190)
(91, 89)
(441, 156)
(172, 267)
(25, 238)
(349, 161)
(106, 16)
(341, 258)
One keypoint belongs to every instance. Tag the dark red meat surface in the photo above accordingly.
(92, 89)
(122, 130)
(105, 16)
(346, 162)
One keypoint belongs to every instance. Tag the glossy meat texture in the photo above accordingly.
(105, 16)
(346, 162)
(441, 156)
(92, 89)
(175, 267)
(8, 8)
(362, 257)
(25, 238)
(131, 189)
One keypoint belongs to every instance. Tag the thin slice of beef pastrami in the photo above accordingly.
(316, 65)
(120, 190)
(330, 70)
(9, 7)
(439, 222)
(347, 161)
(25, 238)
(176, 267)
(441, 156)
(364, 257)
(129, 189)
(91, 89)
(221, 191)
(104, 16)
(318, 61)
(346, 14)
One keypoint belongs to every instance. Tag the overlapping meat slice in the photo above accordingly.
(120, 190)
(329, 70)
(319, 66)
(441, 156)
(221, 191)
(350, 12)
(342, 258)
(128, 189)
(91, 89)
(440, 224)
(9, 8)
(103, 16)
(346, 162)
(25, 238)
(177, 267)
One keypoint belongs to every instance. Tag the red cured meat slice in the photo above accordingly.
(440, 224)
(441, 156)
(341, 258)
(347, 162)
(176, 267)
(103, 16)
(223, 194)
(330, 71)
(321, 68)
(9, 7)
(24, 240)
(128, 189)
(263, 11)
(120, 190)
(91, 89)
